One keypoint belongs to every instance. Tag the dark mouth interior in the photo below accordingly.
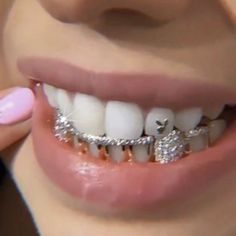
(229, 115)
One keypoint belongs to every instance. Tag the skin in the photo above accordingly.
(198, 42)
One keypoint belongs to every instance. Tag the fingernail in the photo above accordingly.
(16, 106)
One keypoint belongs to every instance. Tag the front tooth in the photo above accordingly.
(188, 119)
(213, 112)
(51, 94)
(65, 102)
(116, 153)
(76, 142)
(140, 154)
(159, 114)
(93, 150)
(216, 129)
(198, 143)
(123, 120)
(88, 114)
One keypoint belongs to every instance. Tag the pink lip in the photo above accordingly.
(126, 185)
(143, 89)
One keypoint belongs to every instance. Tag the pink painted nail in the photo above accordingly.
(16, 106)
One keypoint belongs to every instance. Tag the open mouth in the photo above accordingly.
(121, 131)
(134, 152)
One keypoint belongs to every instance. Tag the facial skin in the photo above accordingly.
(193, 39)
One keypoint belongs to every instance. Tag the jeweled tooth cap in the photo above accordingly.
(170, 148)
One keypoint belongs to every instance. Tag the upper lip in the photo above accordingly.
(147, 90)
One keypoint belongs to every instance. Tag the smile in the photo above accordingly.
(120, 131)
(149, 140)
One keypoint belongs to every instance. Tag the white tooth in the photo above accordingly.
(213, 112)
(188, 119)
(140, 154)
(50, 93)
(198, 143)
(76, 143)
(123, 120)
(88, 114)
(93, 150)
(116, 153)
(217, 128)
(65, 102)
(159, 114)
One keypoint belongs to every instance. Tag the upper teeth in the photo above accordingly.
(188, 119)
(51, 94)
(88, 114)
(160, 114)
(125, 120)
(64, 101)
(213, 112)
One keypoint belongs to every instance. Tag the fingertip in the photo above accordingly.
(16, 106)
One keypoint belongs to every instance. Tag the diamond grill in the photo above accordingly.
(168, 149)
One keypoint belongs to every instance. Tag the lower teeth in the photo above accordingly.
(172, 147)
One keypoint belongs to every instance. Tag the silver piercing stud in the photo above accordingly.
(161, 126)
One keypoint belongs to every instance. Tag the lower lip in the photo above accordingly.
(127, 185)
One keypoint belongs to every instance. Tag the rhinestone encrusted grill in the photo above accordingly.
(170, 148)
(166, 150)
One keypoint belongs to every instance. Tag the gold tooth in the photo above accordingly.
(105, 152)
(125, 153)
(151, 153)
(102, 153)
(82, 148)
(128, 153)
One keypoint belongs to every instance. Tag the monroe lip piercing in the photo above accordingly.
(167, 149)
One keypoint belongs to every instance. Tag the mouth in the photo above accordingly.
(130, 141)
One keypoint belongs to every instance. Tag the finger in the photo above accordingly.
(16, 106)
(5, 92)
(15, 111)
(13, 133)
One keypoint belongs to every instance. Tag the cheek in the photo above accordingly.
(5, 6)
(10, 77)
